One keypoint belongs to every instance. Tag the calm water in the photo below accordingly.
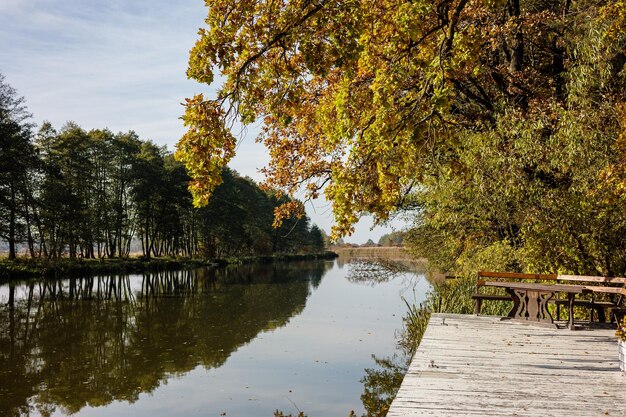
(240, 341)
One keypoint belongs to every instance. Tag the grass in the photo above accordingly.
(447, 296)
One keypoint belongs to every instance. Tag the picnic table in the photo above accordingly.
(601, 294)
(530, 299)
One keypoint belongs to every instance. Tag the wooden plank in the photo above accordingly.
(536, 286)
(608, 290)
(553, 277)
(584, 303)
(492, 297)
(516, 275)
(482, 366)
(587, 278)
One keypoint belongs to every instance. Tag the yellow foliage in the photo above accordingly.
(375, 103)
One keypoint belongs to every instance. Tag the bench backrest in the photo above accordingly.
(595, 280)
(586, 278)
(517, 275)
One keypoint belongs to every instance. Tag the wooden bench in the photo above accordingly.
(613, 286)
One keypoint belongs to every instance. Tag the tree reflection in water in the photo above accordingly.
(375, 270)
(72, 343)
(381, 382)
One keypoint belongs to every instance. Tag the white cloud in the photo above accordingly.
(13, 6)
(103, 64)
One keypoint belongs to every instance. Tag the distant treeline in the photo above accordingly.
(390, 239)
(91, 193)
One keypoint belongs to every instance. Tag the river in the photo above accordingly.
(236, 341)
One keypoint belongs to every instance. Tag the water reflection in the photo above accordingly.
(382, 381)
(375, 270)
(72, 343)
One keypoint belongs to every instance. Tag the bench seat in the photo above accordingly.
(585, 303)
(492, 297)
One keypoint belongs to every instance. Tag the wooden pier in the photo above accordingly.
(470, 365)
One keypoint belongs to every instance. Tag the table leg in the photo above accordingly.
(570, 306)
(538, 306)
(517, 308)
(530, 305)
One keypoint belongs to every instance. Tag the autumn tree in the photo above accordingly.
(238, 221)
(121, 224)
(316, 238)
(149, 174)
(17, 160)
(495, 120)
(83, 192)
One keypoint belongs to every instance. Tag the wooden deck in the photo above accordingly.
(472, 365)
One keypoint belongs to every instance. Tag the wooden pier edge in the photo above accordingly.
(469, 365)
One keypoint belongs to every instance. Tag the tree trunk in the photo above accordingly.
(29, 233)
(12, 225)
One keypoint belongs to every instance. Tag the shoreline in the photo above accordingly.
(24, 268)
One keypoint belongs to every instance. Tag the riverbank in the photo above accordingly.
(51, 268)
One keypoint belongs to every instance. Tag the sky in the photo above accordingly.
(121, 64)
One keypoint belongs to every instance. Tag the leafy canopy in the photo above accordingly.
(380, 104)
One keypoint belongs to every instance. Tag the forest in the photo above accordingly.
(94, 194)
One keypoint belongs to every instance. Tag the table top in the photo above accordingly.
(539, 287)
